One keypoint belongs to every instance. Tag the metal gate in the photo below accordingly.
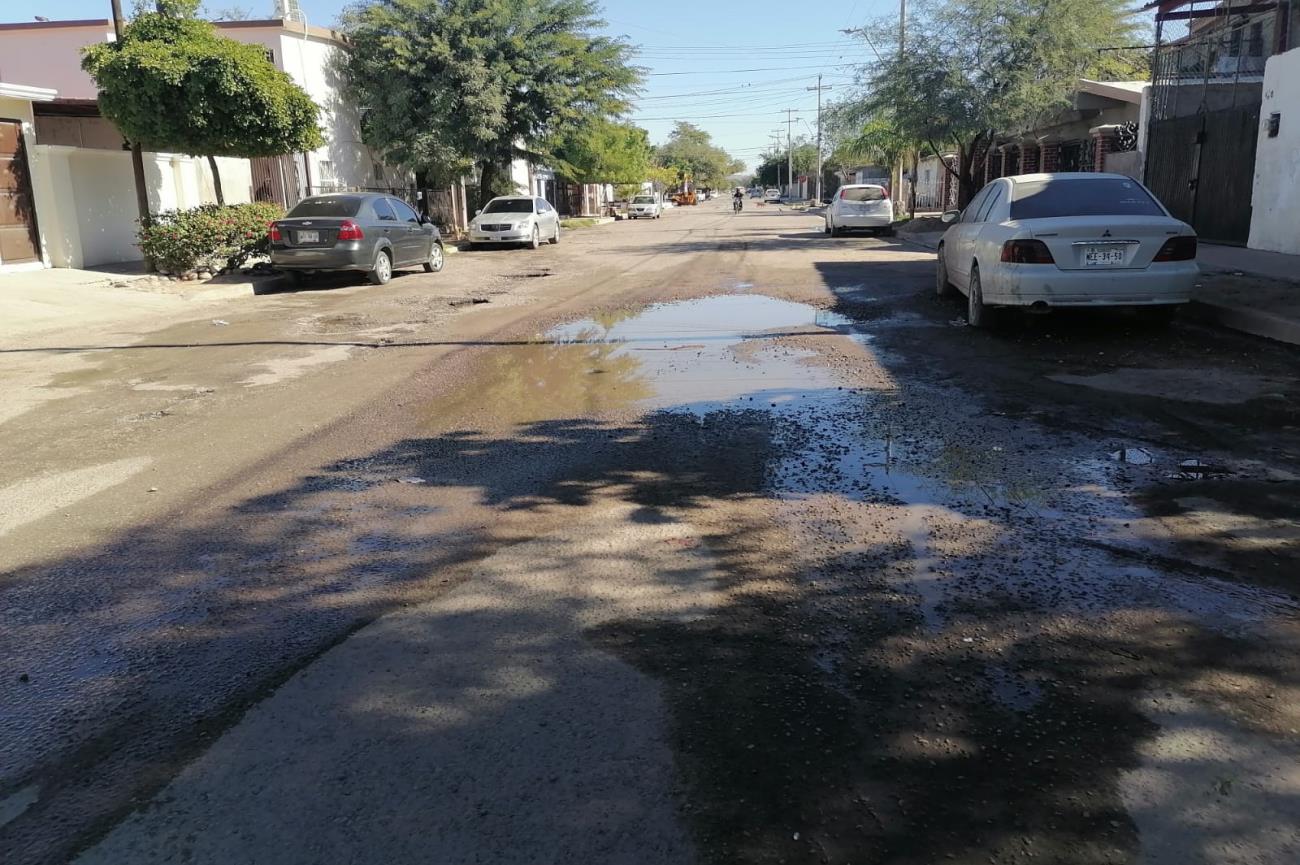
(1203, 168)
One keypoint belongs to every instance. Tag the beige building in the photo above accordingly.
(79, 173)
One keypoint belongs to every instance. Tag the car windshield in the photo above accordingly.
(509, 205)
(327, 205)
(1102, 196)
(644, 199)
(863, 193)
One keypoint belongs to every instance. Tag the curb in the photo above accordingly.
(915, 241)
(1252, 321)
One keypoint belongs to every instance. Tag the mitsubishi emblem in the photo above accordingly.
(1106, 233)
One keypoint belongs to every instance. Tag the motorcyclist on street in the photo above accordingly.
(737, 200)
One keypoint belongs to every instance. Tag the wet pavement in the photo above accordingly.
(734, 547)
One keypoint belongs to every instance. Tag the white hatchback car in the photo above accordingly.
(1067, 240)
(645, 207)
(515, 219)
(860, 206)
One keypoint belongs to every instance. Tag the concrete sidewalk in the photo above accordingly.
(40, 301)
(1247, 290)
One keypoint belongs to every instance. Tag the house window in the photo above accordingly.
(1257, 39)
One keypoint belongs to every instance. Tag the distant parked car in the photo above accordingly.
(1067, 240)
(772, 196)
(645, 207)
(755, 193)
(352, 231)
(515, 219)
(860, 206)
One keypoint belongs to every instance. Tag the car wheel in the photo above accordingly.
(977, 314)
(942, 285)
(437, 257)
(382, 272)
(536, 240)
(555, 238)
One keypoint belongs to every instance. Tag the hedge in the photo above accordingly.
(210, 237)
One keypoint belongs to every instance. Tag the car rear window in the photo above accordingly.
(328, 205)
(1103, 196)
(862, 193)
(510, 205)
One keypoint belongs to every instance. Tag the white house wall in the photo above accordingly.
(1275, 218)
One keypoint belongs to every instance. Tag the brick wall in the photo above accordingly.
(1050, 156)
(1029, 154)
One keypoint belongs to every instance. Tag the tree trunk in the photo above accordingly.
(216, 180)
(911, 195)
(487, 180)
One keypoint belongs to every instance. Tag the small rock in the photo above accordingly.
(153, 489)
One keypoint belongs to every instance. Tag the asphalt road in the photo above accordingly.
(706, 539)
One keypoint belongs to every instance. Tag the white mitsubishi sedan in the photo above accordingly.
(1044, 241)
(860, 205)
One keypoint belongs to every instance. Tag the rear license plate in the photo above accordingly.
(309, 237)
(1102, 256)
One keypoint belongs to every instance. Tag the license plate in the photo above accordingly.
(1102, 256)
(309, 237)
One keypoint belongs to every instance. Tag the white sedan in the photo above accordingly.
(515, 219)
(860, 205)
(1044, 241)
(645, 207)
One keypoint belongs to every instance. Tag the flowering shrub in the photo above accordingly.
(209, 237)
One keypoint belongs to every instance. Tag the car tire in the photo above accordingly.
(437, 258)
(942, 285)
(555, 238)
(382, 272)
(977, 314)
(536, 241)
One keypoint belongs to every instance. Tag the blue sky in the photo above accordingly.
(730, 67)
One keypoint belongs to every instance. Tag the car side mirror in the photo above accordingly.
(950, 216)
(477, 212)
(425, 220)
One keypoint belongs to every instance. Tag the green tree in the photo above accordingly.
(173, 84)
(448, 85)
(691, 151)
(603, 151)
(774, 164)
(976, 68)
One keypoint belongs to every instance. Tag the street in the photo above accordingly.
(702, 539)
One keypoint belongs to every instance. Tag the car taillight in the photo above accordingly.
(349, 230)
(1027, 252)
(275, 232)
(1181, 248)
(842, 193)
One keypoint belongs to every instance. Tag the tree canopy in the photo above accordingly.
(691, 151)
(447, 85)
(603, 151)
(976, 68)
(774, 164)
(172, 83)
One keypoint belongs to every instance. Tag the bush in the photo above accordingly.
(209, 237)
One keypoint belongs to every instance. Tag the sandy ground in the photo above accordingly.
(706, 539)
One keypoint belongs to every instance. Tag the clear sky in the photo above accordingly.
(729, 66)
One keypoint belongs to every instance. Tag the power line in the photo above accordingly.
(756, 69)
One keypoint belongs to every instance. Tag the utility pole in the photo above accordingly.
(789, 148)
(137, 154)
(819, 88)
(776, 145)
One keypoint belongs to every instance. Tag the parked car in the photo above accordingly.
(352, 231)
(515, 219)
(755, 193)
(860, 206)
(645, 207)
(1045, 241)
(772, 196)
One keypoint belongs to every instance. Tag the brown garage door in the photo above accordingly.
(18, 241)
